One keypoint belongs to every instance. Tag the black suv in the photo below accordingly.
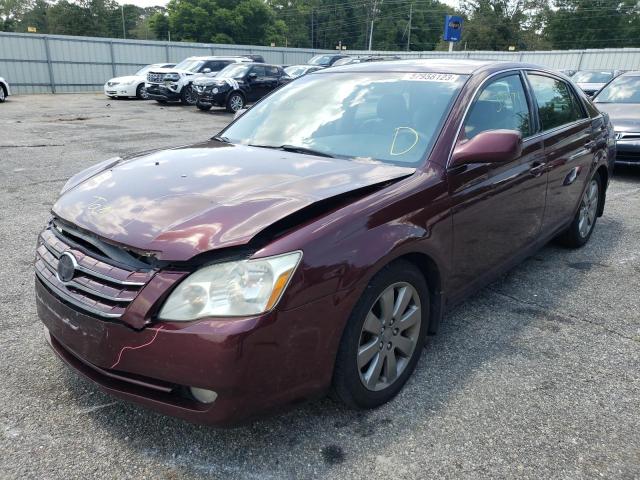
(238, 84)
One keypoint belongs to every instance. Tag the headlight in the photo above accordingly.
(214, 90)
(231, 289)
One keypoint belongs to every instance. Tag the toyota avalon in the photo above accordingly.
(313, 244)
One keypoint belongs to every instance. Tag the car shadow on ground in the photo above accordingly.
(501, 322)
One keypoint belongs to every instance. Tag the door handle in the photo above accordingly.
(537, 169)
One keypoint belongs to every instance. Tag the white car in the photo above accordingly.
(4, 90)
(295, 71)
(133, 85)
(174, 84)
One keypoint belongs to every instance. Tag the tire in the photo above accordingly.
(235, 102)
(354, 378)
(141, 92)
(188, 96)
(3, 94)
(580, 230)
(205, 107)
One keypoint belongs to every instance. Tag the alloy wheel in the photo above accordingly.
(236, 103)
(143, 93)
(389, 336)
(588, 209)
(2, 95)
(190, 95)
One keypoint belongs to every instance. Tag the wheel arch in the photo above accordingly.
(432, 274)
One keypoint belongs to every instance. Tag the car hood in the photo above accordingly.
(181, 202)
(126, 79)
(625, 117)
(590, 86)
(171, 70)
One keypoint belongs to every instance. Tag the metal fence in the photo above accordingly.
(56, 63)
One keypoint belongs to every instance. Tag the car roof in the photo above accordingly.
(217, 57)
(436, 65)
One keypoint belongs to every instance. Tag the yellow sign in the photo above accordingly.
(32, 29)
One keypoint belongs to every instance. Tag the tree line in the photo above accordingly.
(397, 24)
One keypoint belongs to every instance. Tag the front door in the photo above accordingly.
(497, 208)
(258, 85)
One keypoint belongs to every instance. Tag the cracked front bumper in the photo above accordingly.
(161, 92)
(255, 364)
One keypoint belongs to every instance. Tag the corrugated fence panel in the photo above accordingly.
(59, 63)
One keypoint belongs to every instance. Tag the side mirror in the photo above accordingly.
(491, 146)
(239, 113)
(206, 70)
(253, 76)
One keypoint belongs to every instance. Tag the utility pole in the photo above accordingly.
(373, 17)
(124, 35)
(409, 34)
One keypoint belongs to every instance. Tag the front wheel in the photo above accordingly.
(384, 337)
(3, 94)
(188, 96)
(584, 222)
(235, 102)
(141, 92)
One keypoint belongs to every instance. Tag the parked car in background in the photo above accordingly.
(568, 73)
(133, 85)
(326, 60)
(237, 85)
(295, 71)
(174, 84)
(620, 99)
(309, 246)
(255, 58)
(590, 81)
(5, 91)
(366, 58)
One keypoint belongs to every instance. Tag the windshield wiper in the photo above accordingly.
(218, 138)
(295, 149)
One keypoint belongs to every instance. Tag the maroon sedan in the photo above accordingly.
(314, 243)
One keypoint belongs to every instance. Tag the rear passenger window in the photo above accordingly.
(501, 105)
(557, 104)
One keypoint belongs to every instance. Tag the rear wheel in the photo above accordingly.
(384, 337)
(188, 96)
(3, 94)
(584, 222)
(141, 92)
(235, 102)
(204, 106)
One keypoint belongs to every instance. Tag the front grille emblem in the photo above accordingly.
(66, 267)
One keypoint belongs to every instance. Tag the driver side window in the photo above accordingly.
(501, 105)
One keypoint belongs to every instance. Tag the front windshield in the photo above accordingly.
(143, 71)
(391, 117)
(323, 60)
(235, 70)
(295, 71)
(592, 77)
(189, 65)
(620, 90)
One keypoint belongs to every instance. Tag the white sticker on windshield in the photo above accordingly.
(431, 77)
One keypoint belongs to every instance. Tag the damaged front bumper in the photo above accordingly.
(165, 93)
(253, 364)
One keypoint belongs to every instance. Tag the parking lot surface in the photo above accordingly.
(536, 376)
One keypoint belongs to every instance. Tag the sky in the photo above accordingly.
(150, 3)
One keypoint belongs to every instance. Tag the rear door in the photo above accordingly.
(569, 145)
(497, 208)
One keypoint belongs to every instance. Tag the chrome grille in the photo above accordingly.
(97, 287)
(155, 77)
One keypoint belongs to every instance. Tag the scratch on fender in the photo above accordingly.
(136, 348)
